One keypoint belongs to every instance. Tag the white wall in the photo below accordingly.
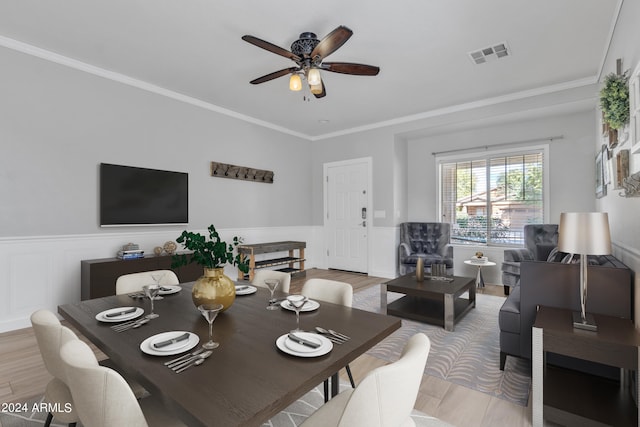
(57, 124)
(570, 180)
(624, 213)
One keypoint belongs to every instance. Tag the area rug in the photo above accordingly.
(292, 416)
(469, 356)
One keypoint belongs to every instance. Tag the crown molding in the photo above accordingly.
(487, 102)
(140, 84)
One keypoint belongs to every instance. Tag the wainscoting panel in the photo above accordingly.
(44, 272)
(383, 257)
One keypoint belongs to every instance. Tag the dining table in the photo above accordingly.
(248, 379)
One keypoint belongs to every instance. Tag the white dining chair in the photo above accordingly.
(384, 398)
(334, 292)
(103, 398)
(134, 282)
(51, 335)
(261, 275)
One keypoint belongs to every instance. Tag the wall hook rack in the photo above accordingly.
(245, 173)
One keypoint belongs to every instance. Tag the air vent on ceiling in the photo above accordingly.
(490, 53)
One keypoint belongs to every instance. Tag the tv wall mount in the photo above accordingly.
(245, 173)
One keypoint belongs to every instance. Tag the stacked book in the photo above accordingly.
(130, 251)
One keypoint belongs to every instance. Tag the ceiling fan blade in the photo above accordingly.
(351, 68)
(271, 48)
(332, 42)
(274, 75)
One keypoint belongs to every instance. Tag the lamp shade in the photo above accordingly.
(295, 82)
(316, 89)
(314, 77)
(584, 233)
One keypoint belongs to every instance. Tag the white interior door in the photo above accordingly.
(347, 212)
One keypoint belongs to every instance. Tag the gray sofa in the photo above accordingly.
(556, 284)
(539, 242)
(426, 240)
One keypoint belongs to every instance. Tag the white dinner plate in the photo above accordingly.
(147, 345)
(101, 317)
(169, 289)
(293, 348)
(246, 290)
(309, 306)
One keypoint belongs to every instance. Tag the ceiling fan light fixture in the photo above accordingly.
(316, 89)
(295, 82)
(314, 77)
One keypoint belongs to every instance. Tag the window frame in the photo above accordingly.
(482, 153)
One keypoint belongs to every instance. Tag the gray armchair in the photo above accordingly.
(426, 240)
(539, 241)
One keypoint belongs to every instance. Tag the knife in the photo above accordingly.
(172, 340)
(121, 313)
(300, 340)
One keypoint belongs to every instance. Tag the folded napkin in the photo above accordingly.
(120, 313)
(303, 341)
(182, 337)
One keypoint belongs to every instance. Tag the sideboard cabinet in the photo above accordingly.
(98, 276)
(294, 263)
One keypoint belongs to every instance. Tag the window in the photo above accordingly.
(488, 200)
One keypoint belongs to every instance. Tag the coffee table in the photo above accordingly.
(431, 301)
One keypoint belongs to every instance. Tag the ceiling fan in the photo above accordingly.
(309, 53)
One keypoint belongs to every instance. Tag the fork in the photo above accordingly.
(133, 325)
(184, 357)
(127, 323)
(339, 335)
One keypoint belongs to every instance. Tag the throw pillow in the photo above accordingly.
(543, 250)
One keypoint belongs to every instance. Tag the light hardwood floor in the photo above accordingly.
(23, 375)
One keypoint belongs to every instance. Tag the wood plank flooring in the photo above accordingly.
(23, 375)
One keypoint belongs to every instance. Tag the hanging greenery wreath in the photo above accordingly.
(614, 100)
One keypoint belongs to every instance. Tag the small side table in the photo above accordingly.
(573, 398)
(479, 279)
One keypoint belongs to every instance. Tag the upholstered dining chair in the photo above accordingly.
(384, 398)
(51, 335)
(261, 275)
(134, 282)
(103, 398)
(334, 292)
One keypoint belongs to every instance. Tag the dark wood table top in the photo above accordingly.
(247, 380)
(615, 343)
(409, 283)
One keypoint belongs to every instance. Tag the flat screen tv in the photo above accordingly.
(132, 196)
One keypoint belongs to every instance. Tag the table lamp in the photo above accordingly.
(584, 233)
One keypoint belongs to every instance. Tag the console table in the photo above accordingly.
(573, 398)
(98, 276)
(289, 262)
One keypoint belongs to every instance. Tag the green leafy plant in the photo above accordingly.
(209, 253)
(614, 100)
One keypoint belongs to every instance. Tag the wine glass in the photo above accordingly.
(297, 301)
(157, 277)
(272, 284)
(210, 312)
(151, 291)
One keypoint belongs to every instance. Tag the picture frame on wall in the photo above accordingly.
(601, 187)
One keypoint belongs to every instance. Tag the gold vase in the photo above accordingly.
(214, 288)
(420, 269)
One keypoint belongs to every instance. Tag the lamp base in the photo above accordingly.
(589, 323)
